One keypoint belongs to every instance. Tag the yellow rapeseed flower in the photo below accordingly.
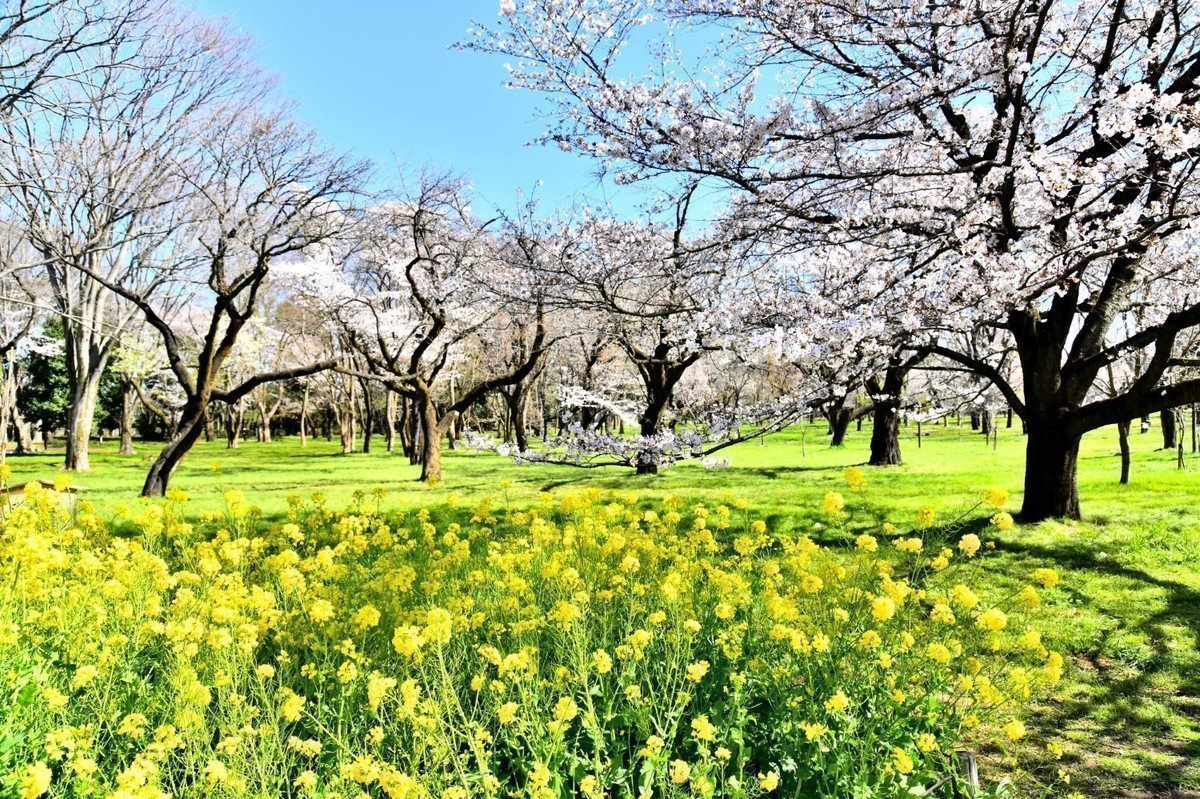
(35, 780)
(697, 670)
(680, 771)
(1047, 578)
(834, 503)
(996, 497)
(992, 620)
(838, 703)
(883, 608)
(970, 544)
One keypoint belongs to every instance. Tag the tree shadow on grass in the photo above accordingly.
(1115, 700)
(777, 472)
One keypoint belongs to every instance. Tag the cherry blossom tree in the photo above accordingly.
(1034, 163)
(427, 282)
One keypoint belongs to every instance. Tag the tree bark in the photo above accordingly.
(407, 436)
(650, 425)
(304, 417)
(81, 413)
(1195, 440)
(839, 424)
(1051, 472)
(8, 404)
(516, 407)
(21, 431)
(412, 425)
(1169, 428)
(885, 435)
(128, 411)
(389, 418)
(188, 432)
(885, 430)
(345, 419)
(234, 418)
(1123, 440)
(368, 415)
(431, 441)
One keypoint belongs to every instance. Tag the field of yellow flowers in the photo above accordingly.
(594, 645)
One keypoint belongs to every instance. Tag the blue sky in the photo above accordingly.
(377, 78)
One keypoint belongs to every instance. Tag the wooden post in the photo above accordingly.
(1179, 461)
(970, 772)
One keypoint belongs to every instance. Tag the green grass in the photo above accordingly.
(1129, 711)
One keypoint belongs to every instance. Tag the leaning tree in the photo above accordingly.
(265, 191)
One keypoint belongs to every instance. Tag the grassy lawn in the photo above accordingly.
(1129, 711)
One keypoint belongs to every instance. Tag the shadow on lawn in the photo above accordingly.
(777, 472)
(1115, 699)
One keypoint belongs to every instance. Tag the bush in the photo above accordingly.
(591, 646)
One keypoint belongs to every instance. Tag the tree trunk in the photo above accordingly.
(885, 431)
(22, 433)
(1123, 440)
(260, 429)
(1169, 428)
(1051, 472)
(516, 407)
(839, 423)
(128, 410)
(264, 422)
(188, 432)
(304, 417)
(406, 428)
(1195, 440)
(8, 404)
(234, 418)
(81, 413)
(345, 419)
(368, 415)
(389, 418)
(650, 425)
(1180, 463)
(431, 441)
(885, 435)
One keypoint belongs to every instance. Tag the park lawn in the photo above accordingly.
(1128, 613)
